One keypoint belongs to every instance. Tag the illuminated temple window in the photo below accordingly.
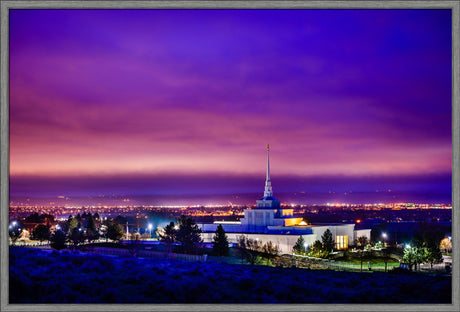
(341, 242)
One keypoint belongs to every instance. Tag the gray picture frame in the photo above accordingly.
(4, 145)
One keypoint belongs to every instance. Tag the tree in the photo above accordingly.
(15, 230)
(248, 249)
(220, 242)
(91, 231)
(386, 256)
(328, 241)
(114, 230)
(361, 242)
(446, 244)
(71, 223)
(48, 219)
(189, 235)
(76, 236)
(41, 232)
(270, 250)
(253, 247)
(316, 249)
(167, 235)
(421, 254)
(434, 255)
(33, 218)
(241, 247)
(299, 247)
(58, 240)
(409, 256)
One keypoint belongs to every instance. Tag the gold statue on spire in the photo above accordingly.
(268, 147)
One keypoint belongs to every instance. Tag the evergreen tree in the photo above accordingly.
(220, 242)
(317, 248)
(114, 230)
(91, 231)
(189, 235)
(41, 232)
(168, 235)
(58, 240)
(71, 224)
(299, 247)
(328, 241)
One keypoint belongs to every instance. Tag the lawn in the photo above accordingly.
(40, 276)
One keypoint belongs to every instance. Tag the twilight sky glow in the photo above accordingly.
(190, 98)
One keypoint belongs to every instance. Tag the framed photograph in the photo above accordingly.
(229, 155)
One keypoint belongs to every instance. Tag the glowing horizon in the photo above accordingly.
(354, 93)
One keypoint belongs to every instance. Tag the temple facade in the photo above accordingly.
(269, 222)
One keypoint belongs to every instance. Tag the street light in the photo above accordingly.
(305, 247)
(150, 229)
(384, 235)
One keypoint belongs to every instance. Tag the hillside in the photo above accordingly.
(38, 276)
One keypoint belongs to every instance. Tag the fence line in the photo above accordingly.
(148, 254)
(312, 262)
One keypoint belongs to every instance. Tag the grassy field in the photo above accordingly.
(40, 276)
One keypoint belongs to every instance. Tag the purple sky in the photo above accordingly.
(192, 97)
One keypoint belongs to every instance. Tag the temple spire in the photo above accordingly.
(268, 162)
(268, 185)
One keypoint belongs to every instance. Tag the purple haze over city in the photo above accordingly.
(183, 102)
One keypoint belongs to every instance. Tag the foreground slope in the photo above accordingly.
(38, 276)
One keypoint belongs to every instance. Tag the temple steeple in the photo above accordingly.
(268, 201)
(268, 184)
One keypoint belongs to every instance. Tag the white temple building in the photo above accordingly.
(269, 222)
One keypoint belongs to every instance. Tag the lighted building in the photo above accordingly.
(269, 222)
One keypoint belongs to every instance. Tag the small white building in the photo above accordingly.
(269, 222)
